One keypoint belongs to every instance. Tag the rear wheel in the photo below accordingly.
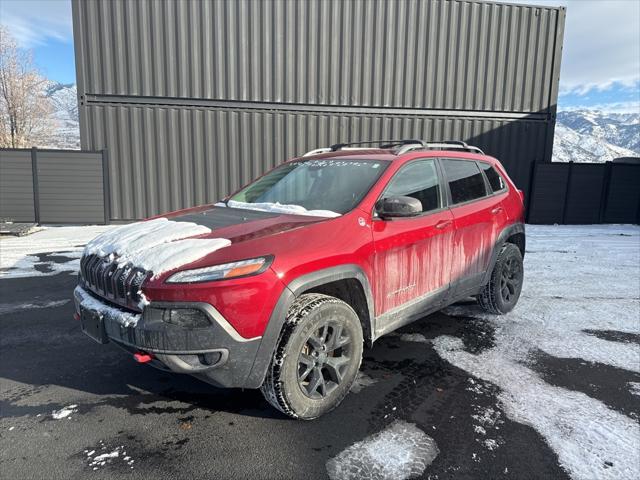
(317, 357)
(502, 292)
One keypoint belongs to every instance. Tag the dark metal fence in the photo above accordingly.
(53, 186)
(585, 193)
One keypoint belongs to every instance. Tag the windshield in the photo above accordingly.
(312, 187)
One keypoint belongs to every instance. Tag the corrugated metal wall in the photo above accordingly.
(52, 186)
(194, 98)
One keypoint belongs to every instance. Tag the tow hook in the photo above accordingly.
(142, 357)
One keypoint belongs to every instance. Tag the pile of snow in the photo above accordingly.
(399, 451)
(64, 412)
(157, 246)
(414, 337)
(108, 457)
(18, 255)
(278, 208)
(576, 279)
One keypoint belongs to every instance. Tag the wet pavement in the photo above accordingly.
(118, 418)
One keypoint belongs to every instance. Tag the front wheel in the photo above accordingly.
(502, 292)
(317, 357)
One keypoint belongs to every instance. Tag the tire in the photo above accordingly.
(501, 294)
(305, 380)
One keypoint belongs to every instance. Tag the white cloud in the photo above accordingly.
(34, 22)
(601, 43)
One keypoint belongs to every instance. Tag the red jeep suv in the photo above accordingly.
(280, 285)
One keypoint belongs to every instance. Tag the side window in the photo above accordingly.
(495, 180)
(418, 180)
(465, 180)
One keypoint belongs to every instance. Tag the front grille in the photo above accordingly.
(115, 282)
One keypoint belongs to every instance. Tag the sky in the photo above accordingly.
(600, 62)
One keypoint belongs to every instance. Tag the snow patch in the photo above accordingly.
(158, 245)
(414, 337)
(634, 388)
(583, 431)
(278, 208)
(18, 307)
(574, 274)
(491, 444)
(64, 412)
(108, 457)
(19, 256)
(399, 451)
(362, 381)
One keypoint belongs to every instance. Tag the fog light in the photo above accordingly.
(209, 358)
(186, 317)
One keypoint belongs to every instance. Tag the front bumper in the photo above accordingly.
(216, 354)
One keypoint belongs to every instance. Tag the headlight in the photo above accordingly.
(243, 268)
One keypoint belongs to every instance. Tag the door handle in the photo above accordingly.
(497, 210)
(443, 224)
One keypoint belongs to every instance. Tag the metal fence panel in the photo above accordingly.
(16, 186)
(584, 194)
(71, 187)
(549, 193)
(52, 186)
(623, 198)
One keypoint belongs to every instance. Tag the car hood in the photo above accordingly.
(241, 225)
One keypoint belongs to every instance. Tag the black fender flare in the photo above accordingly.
(508, 231)
(287, 297)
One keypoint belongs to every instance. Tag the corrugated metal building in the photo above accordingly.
(194, 98)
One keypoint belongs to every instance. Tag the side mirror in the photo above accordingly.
(398, 207)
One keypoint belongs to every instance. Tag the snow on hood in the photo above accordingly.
(278, 208)
(158, 245)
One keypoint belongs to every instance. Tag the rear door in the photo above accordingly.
(412, 258)
(479, 217)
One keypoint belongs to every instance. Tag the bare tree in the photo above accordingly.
(25, 112)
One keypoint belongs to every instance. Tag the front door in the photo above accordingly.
(412, 258)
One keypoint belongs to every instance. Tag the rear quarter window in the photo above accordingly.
(496, 181)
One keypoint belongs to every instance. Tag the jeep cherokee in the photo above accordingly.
(280, 285)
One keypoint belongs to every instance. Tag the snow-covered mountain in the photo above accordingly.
(64, 99)
(593, 136)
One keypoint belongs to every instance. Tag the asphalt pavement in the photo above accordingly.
(172, 426)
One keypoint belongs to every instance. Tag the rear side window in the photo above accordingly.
(418, 180)
(495, 180)
(465, 180)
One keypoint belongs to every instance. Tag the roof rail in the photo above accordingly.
(385, 144)
(446, 145)
(401, 146)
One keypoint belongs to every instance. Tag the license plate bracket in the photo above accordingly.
(92, 323)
